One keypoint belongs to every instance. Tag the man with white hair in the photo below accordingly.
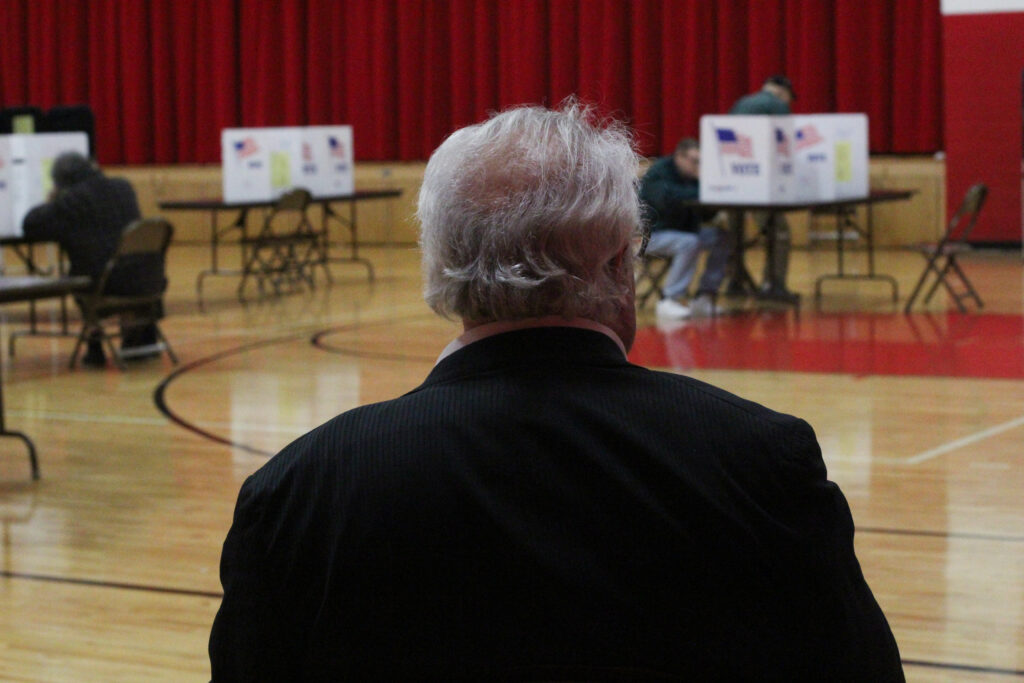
(539, 506)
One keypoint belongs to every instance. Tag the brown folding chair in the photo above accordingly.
(147, 236)
(941, 256)
(287, 248)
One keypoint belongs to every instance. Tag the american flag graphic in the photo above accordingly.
(781, 143)
(806, 136)
(731, 142)
(337, 148)
(246, 148)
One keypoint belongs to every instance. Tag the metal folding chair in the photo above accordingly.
(941, 256)
(283, 254)
(147, 237)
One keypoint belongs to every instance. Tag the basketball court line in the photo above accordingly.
(964, 441)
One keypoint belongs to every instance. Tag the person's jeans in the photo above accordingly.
(684, 248)
(776, 268)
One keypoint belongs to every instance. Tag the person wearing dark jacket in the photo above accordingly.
(773, 99)
(540, 508)
(681, 231)
(86, 214)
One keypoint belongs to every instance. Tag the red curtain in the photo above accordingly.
(165, 76)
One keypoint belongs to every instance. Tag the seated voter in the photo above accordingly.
(86, 214)
(681, 232)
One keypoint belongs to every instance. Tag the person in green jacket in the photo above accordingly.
(681, 231)
(773, 99)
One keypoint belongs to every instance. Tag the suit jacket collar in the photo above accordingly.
(534, 347)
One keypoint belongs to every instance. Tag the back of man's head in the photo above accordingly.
(780, 86)
(522, 216)
(71, 168)
(686, 144)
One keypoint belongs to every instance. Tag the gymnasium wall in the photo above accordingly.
(984, 69)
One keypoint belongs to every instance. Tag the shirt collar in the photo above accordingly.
(479, 332)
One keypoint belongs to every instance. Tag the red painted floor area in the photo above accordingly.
(941, 345)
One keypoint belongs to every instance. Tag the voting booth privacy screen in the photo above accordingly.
(261, 164)
(25, 163)
(783, 159)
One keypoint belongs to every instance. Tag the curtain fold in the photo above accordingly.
(165, 76)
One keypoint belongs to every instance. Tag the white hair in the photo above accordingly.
(525, 214)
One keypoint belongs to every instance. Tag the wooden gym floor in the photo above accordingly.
(108, 564)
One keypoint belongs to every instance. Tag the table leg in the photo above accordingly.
(33, 321)
(353, 242)
(33, 460)
(869, 239)
(772, 275)
(740, 283)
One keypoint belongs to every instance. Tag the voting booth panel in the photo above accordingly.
(746, 159)
(830, 155)
(261, 164)
(25, 163)
(331, 149)
(783, 159)
(6, 214)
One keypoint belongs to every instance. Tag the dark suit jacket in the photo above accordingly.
(87, 220)
(541, 502)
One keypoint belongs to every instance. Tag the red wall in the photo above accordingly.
(983, 58)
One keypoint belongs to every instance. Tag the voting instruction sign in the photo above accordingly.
(746, 159)
(261, 164)
(25, 181)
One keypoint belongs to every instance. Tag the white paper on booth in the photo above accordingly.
(850, 146)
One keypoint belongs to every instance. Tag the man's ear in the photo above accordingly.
(622, 262)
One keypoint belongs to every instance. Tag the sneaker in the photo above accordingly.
(703, 306)
(670, 309)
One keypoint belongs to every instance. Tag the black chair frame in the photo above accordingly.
(144, 236)
(941, 256)
(284, 253)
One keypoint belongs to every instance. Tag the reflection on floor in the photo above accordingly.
(947, 344)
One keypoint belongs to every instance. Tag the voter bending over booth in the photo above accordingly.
(86, 214)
